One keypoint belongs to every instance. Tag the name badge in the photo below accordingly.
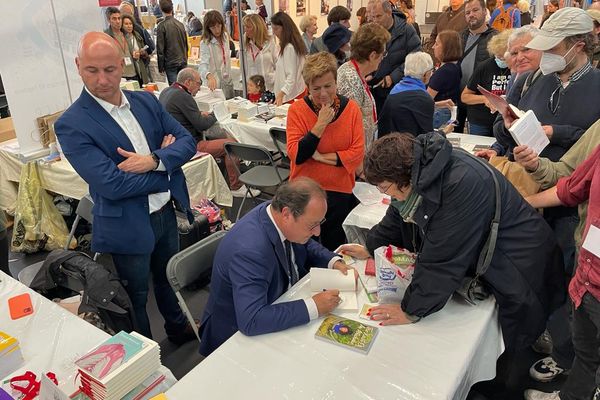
(592, 241)
(128, 61)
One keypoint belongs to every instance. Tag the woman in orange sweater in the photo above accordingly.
(325, 142)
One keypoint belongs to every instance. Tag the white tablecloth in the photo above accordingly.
(254, 132)
(51, 338)
(440, 357)
(364, 217)
(204, 179)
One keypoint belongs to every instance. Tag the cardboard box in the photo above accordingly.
(46, 127)
(7, 129)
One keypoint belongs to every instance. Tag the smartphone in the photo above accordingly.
(20, 306)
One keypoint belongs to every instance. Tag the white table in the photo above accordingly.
(204, 179)
(51, 338)
(364, 217)
(440, 357)
(255, 132)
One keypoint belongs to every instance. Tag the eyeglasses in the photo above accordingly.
(386, 189)
(554, 101)
(321, 222)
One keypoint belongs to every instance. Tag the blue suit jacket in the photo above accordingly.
(89, 138)
(249, 274)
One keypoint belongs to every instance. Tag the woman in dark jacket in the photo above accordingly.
(448, 197)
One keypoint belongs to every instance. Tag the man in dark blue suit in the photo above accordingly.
(264, 254)
(130, 151)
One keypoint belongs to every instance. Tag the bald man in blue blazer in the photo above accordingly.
(130, 151)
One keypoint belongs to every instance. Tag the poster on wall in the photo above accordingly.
(109, 3)
(284, 6)
(324, 7)
(300, 8)
(349, 5)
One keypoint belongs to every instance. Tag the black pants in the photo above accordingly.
(339, 206)
(4, 252)
(585, 373)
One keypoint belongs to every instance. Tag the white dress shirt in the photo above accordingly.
(311, 306)
(126, 120)
(288, 74)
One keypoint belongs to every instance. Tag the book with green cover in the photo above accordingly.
(347, 333)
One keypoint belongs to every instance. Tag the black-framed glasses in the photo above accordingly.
(321, 222)
(554, 101)
(386, 189)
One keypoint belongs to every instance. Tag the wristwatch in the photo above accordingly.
(156, 159)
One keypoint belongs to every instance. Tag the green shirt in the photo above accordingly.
(548, 172)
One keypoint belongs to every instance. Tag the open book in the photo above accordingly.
(322, 278)
(526, 129)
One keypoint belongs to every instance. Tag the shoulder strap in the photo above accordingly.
(487, 252)
(530, 80)
(471, 47)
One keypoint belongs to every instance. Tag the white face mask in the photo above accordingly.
(551, 63)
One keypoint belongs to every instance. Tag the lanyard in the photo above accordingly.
(223, 52)
(254, 55)
(366, 86)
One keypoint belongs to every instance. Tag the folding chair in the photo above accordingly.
(84, 210)
(259, 176)
(279, 137)
(188, 265)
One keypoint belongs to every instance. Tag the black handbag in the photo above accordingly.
(472, 289)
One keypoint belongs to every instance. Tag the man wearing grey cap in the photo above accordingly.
(563, 94)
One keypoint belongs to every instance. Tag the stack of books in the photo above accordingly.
(117, 366)
(11, 358)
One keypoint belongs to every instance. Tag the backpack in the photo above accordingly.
(504, 20)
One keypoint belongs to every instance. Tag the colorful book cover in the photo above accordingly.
(110, 355)
(347, 332)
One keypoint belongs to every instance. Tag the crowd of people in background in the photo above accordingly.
(352, 90)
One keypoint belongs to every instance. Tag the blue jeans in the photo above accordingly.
(172, 72)
(134, 271)
(479, 130)
(585, 374)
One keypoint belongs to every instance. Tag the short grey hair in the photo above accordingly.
(306, 21)
(518, 33)
(417, 64)
(386, 5)
(187, 74)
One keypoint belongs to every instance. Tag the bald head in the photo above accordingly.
(594, 6)
(100, 65)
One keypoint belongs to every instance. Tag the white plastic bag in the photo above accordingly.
(393, 277)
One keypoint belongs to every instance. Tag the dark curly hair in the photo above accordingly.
(390, 159)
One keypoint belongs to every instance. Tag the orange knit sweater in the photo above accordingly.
(343, 136)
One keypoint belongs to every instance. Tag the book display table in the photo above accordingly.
(51, 338)
(440, 357)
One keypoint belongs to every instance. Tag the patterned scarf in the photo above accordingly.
(408, 207)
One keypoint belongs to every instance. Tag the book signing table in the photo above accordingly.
(371, 210)
(51, 338)
(440, 357)
(204, 179)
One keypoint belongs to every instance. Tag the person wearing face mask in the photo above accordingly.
(443, 202)
(492, 75)
(325, 142)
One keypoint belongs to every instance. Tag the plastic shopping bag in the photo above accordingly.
(38, 224)
(395, 267)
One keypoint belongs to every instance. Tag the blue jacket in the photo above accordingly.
(89, 138)
(249, 274)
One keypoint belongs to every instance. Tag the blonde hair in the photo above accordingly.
(317, 65)
(498, 44)
(261, 35)
(523, 6)
(307, 21)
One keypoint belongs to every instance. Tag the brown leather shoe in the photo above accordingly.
(187, 335)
